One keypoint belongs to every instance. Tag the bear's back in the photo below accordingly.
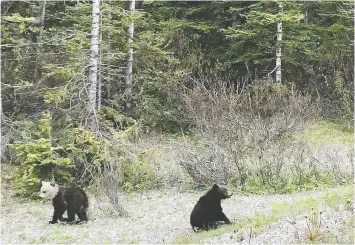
(75, 196)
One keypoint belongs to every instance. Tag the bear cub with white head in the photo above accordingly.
(73, 200)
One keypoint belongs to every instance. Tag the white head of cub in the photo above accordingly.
(48, 190)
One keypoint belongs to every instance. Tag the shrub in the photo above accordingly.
(246, 132)
(128, 168)
(206, 162)
(38, 159)
(137, 175)
(83, 148)
(114, 119)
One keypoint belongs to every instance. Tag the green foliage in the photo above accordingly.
(18, 18)
(158, 73)
(288, 183)
(137, 174)
(174, 43)
(38, 160)
(113, 118)
(83, 148)
(56, 96)
(80, 142)
(76, 158)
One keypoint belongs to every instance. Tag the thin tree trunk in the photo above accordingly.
(278, 47)
(128, 90)
(236, 20)
(93, 70)
(108, 85)
(99, 82)
(305, 13)
(108, 80)
(39, 41)
(1, 118)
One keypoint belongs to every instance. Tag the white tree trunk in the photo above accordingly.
(278, 47)
(236, 20)
(0, 91)
(99, 81)
(305, 16)
(93, 65)
(128, 90)
(39, 41)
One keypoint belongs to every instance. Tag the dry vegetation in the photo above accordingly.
(248, 140)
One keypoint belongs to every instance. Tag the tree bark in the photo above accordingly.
(305, 13)
(278, 47)
(128, 89)
(236, 20)
(93, 66)
(99, 82)
(38, 64)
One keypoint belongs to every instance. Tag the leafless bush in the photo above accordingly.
(108, 179)
(109, 183)
(206, 163)
(272, 164)
(243, 122)
(337, 158)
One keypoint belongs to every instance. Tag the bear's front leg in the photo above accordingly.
(223, 217)
(55, 218)
(58, 214)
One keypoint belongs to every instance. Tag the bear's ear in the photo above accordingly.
(215, 186)
(52, 183)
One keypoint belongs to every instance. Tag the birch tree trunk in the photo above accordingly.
(1, 118)
(93, 66)
(236, 20)
(278, 46)
(99, 81)
(305, 13)
(128, 89)
(39, 41)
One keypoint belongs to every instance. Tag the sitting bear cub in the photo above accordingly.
(74, 200)
(208, 209)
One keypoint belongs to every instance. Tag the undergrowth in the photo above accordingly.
(289, 182)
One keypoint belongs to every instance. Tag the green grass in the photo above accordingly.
(259, 221)
(129, 239)
(59, 238)
(325, 132)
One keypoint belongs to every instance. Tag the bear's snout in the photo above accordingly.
(229, 194)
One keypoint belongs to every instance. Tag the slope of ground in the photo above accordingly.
(163, 217)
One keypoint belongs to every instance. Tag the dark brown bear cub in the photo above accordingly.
(208, 209)
(74, 200)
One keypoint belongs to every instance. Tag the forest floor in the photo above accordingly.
(163, 217)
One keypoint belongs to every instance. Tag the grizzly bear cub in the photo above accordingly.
(208, 209)
(72, 200)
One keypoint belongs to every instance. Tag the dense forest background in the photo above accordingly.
(201, 104)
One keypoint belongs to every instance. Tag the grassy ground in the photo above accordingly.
(163, 217)
(326, 132)
(254, 228)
